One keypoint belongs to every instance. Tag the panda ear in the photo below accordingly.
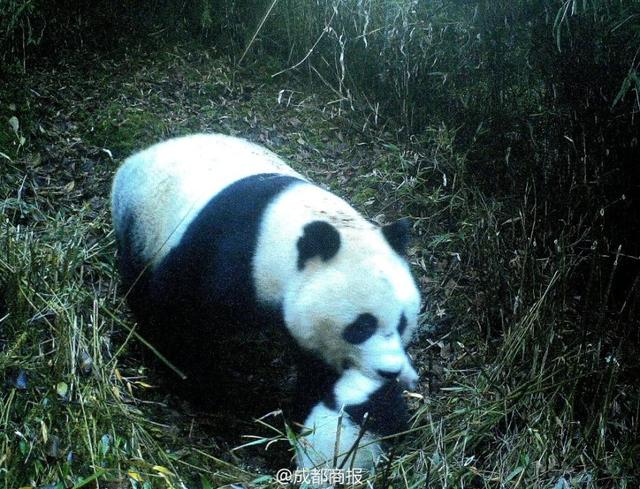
(397, 235)
(318, 239)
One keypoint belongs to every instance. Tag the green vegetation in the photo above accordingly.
(507, 130)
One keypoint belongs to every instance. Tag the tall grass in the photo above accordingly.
(537, 370)
(70, 409)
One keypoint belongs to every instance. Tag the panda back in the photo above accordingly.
(210, 271)
(158, 192)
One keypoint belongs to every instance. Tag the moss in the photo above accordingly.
(124, 130)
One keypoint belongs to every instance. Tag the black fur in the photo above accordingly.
(387, 411)
(315, 383)
(397, 235)
(361, 329)
(402, 325)
(211, 268)
(199, 306)
(134, 281)
(319, 239)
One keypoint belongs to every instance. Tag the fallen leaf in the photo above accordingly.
(162, 470)
(14, 123)
(62, 389)
(135, 476)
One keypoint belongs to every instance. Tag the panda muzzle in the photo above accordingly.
(389, 375)
(407, 377)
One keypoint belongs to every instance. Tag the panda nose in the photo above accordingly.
(408, 377)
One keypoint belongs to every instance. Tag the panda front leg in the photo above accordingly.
(343, 429)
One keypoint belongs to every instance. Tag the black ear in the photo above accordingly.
(397, 234)
(319, 239)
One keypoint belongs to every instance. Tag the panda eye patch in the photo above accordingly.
(402, 325)
(361, 329)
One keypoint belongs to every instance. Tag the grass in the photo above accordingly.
(512, 393)
(70, 411)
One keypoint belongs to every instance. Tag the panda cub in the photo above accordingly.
(346, 419)
(218, 236)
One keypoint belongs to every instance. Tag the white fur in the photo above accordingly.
(318, 448)
(365, 276)
(169, 183)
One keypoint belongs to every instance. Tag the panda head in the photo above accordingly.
(355, 303)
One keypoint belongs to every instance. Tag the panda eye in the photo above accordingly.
(361, 329)
(402, 325)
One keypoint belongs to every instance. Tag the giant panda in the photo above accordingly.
(218, 236)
